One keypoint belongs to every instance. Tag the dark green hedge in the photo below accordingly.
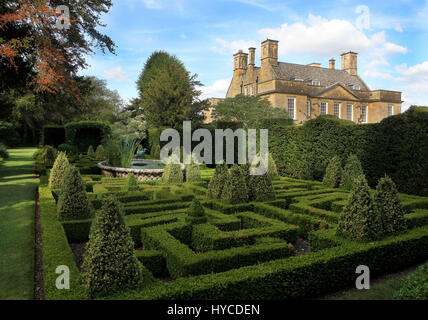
(53, 135)
(397, 146)
(85, 133)
(8, 135)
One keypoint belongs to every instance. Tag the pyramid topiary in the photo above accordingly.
(131, 183)
(235, 190)
(217, 182)
(196, 213)
(351, 171)
(272, 169)
(359, 220)
(73, 203)
(59, 170)
(333, 173)
(91, 152)
(388, 206)
(172, 173)
(193, 174)
(109, 263)
(156, 152)
(100, 153)
(49, 155)
(261, 188)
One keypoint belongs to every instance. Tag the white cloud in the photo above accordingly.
(226, 47)
(398, 28)
(378, 75)
(217, 90)
(153, 4)
(117, 74)
(419, 70)
(257, 3)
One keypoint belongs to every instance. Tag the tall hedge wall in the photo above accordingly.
(85, 133)
(53, 135)
(397, 146)
(8, 134)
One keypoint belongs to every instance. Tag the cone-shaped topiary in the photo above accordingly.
(261, 188)
(359, 220)
(91, 152)
(100, 153)
(235, 190)
(73, 203)
(217, 182)
(156, 152)
(389, 207)
(109, 263)
(193, 174)
(351, 171)
(196, 213)
(131, 183)
(272, 169)
(333, 173)
(59, 170)
(172, 173)
(49, 155)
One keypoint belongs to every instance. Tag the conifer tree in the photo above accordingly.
(333, 173)
(109, 262)
(131, 183)
(352, 170)
(196, 213)
(359, 220)
(235, 190)
(193, 174)
(59, 170)
(217, 182)
(100, 153)
(261, 188)
(91, 152)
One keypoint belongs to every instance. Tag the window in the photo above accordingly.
(308, 110)
(390, 110)
(315, 82)
(349, 112)
(251, 91)
(323, 108)
(337, 110)
(291, 108)
(364, 114)
(246, 91)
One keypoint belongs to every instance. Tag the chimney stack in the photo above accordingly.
(349, 62)
(252, 57)
(270, 52)
(240, 61)
(332, 63)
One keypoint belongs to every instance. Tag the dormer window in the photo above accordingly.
(315, 82)
(355, 87)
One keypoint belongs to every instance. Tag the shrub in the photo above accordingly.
(193, 174)
(85, 133)
(100, 153)
(59, 170)
(351, 171)
(261, 188)
(414, 286)
(272, 169)
(217, 182)
(359, 219)
(3, 151)
(156, 152)
(53, 135)
(333, 173)
(196, 213)
(172, 173)
(235, 189)
(48, 155)
(109, 262)
(91, 152)
(73, 203)
(68, 149)
(8, 134)
(131, 183)
(388, 206)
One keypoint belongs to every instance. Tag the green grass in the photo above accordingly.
(17, 189)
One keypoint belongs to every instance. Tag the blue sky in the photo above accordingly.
(390, 37)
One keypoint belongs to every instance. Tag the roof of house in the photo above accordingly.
(327, 77)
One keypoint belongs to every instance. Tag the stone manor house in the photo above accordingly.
(307, 91)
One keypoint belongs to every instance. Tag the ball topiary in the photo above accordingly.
(388, 206)
(333, 173)
(59, 170)
(193, 174)
(235, 190)
(359, 219)
(131, 183)
(48, 156)
(73, 203)
(351, 171)
(109, 263)
(100, 153)
(196, 213)
(217, 182)
(91, 152)
(261, 188)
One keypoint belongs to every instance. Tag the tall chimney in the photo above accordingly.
(252, 58)
(270, 52)
(332, 63)
(240, 61)
(349, 62)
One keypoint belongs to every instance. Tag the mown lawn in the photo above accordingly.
(17, 190)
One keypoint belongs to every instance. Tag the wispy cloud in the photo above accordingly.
(117, 74)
